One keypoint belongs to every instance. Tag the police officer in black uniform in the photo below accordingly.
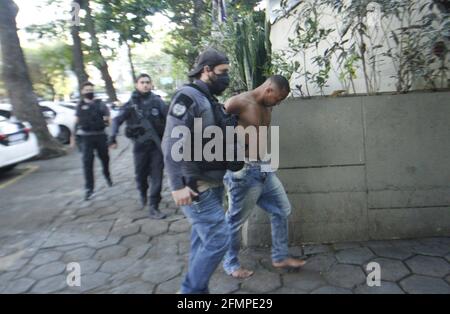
(92, 119)
(145, 114)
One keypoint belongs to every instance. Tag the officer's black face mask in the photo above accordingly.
(219, 83)
(89, 96)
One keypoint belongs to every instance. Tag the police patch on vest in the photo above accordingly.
(181, 106)
(85, 107)
(179, 110)
(155, 112)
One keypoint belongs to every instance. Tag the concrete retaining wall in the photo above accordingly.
(363, 168)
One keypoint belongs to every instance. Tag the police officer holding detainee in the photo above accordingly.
(145, 114)
(92, 119)
(198, 186)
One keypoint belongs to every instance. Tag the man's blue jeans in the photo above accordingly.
(246, 189)
(210, 240)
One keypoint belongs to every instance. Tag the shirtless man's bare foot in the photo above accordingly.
(289, 263)
(242, 273)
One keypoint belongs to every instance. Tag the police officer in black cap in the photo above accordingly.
(92, 119)
(145, 114)
(198, 186)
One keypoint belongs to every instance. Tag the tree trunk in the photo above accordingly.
(51, 87)
(199, 5)
(130, 59)
(18, 82)
(214, 15)
(101, 62)
(78, 59)
(53, 91)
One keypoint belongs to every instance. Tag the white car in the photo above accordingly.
(17, 143)
(69, 105)
(65, 118)
(53, 128)
(160, 93)
(114, 109)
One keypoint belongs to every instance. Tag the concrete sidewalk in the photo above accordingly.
(44, 225)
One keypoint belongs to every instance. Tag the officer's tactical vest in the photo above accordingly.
(91, 117)
(147, 122)
(222, 120)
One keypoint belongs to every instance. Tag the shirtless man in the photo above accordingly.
(254, 184)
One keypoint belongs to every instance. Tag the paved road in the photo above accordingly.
(45, 225)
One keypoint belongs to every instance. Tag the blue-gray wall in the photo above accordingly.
(362, 168)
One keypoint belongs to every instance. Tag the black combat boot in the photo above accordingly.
(88, 195)
(155, 213)
(143, 199)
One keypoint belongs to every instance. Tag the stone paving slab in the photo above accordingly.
(386, 287)
(429, 266)
(345, 276)
(418, 284)
(120, 250)
(391, 270)
(356, 256)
